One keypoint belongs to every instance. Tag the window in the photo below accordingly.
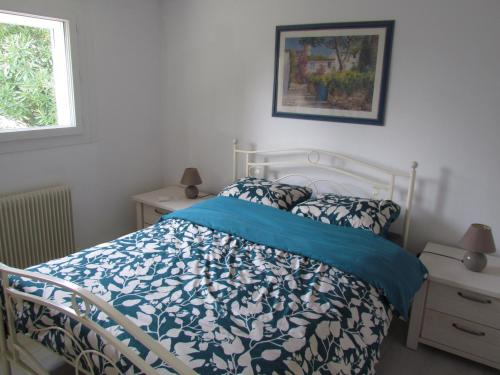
(36, 86)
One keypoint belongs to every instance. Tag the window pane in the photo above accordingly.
(35, 80)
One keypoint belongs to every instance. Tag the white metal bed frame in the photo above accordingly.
(313, 158)
(11, 350)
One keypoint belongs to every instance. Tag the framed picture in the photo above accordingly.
(333, 72)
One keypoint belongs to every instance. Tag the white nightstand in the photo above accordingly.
(150, 206)
(458, 310)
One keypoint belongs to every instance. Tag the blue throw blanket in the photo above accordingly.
(385, 265)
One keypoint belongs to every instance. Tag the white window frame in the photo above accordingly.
(67, 119)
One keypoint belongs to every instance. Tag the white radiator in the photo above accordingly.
(36, 226)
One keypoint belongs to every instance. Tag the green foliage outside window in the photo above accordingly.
(26, 75)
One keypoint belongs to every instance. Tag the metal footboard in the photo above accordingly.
(11, 350)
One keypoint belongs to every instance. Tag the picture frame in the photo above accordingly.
(333, 71)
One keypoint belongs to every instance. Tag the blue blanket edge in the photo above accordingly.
(381, 263)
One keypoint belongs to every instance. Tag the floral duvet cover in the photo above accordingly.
(222, 304)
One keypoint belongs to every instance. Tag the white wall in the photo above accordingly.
(443, 105)
(119, 64)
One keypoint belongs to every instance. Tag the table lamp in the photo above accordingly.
(191, 178)
(477, 241)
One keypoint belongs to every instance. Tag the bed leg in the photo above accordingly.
(5, 365)
(417, 313)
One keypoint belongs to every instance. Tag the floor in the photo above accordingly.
(396, 359)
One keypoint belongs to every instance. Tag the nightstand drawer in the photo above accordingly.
(462, 335)
(152, 214)
(464, 304)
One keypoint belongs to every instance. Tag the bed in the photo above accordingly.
(225, 287)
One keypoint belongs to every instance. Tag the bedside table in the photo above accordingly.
(151, 206)
(458, 310)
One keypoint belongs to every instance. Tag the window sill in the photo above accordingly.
(35, 133)
(33, 139)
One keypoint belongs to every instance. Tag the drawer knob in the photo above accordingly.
(474, 299)
(468, 330)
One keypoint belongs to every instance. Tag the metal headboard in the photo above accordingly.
(313, 158)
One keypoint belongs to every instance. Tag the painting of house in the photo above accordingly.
(330, 72)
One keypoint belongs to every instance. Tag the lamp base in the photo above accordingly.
(191, 192)
(475, 262)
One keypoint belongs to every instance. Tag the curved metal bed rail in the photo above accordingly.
(313, 159)
(10, 349)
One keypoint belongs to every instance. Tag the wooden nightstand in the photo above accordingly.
(150, 206)
(458, 310)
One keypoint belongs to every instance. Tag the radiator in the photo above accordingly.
(36, 226)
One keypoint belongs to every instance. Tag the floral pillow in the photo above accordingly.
(268, 193)
(371, 214)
